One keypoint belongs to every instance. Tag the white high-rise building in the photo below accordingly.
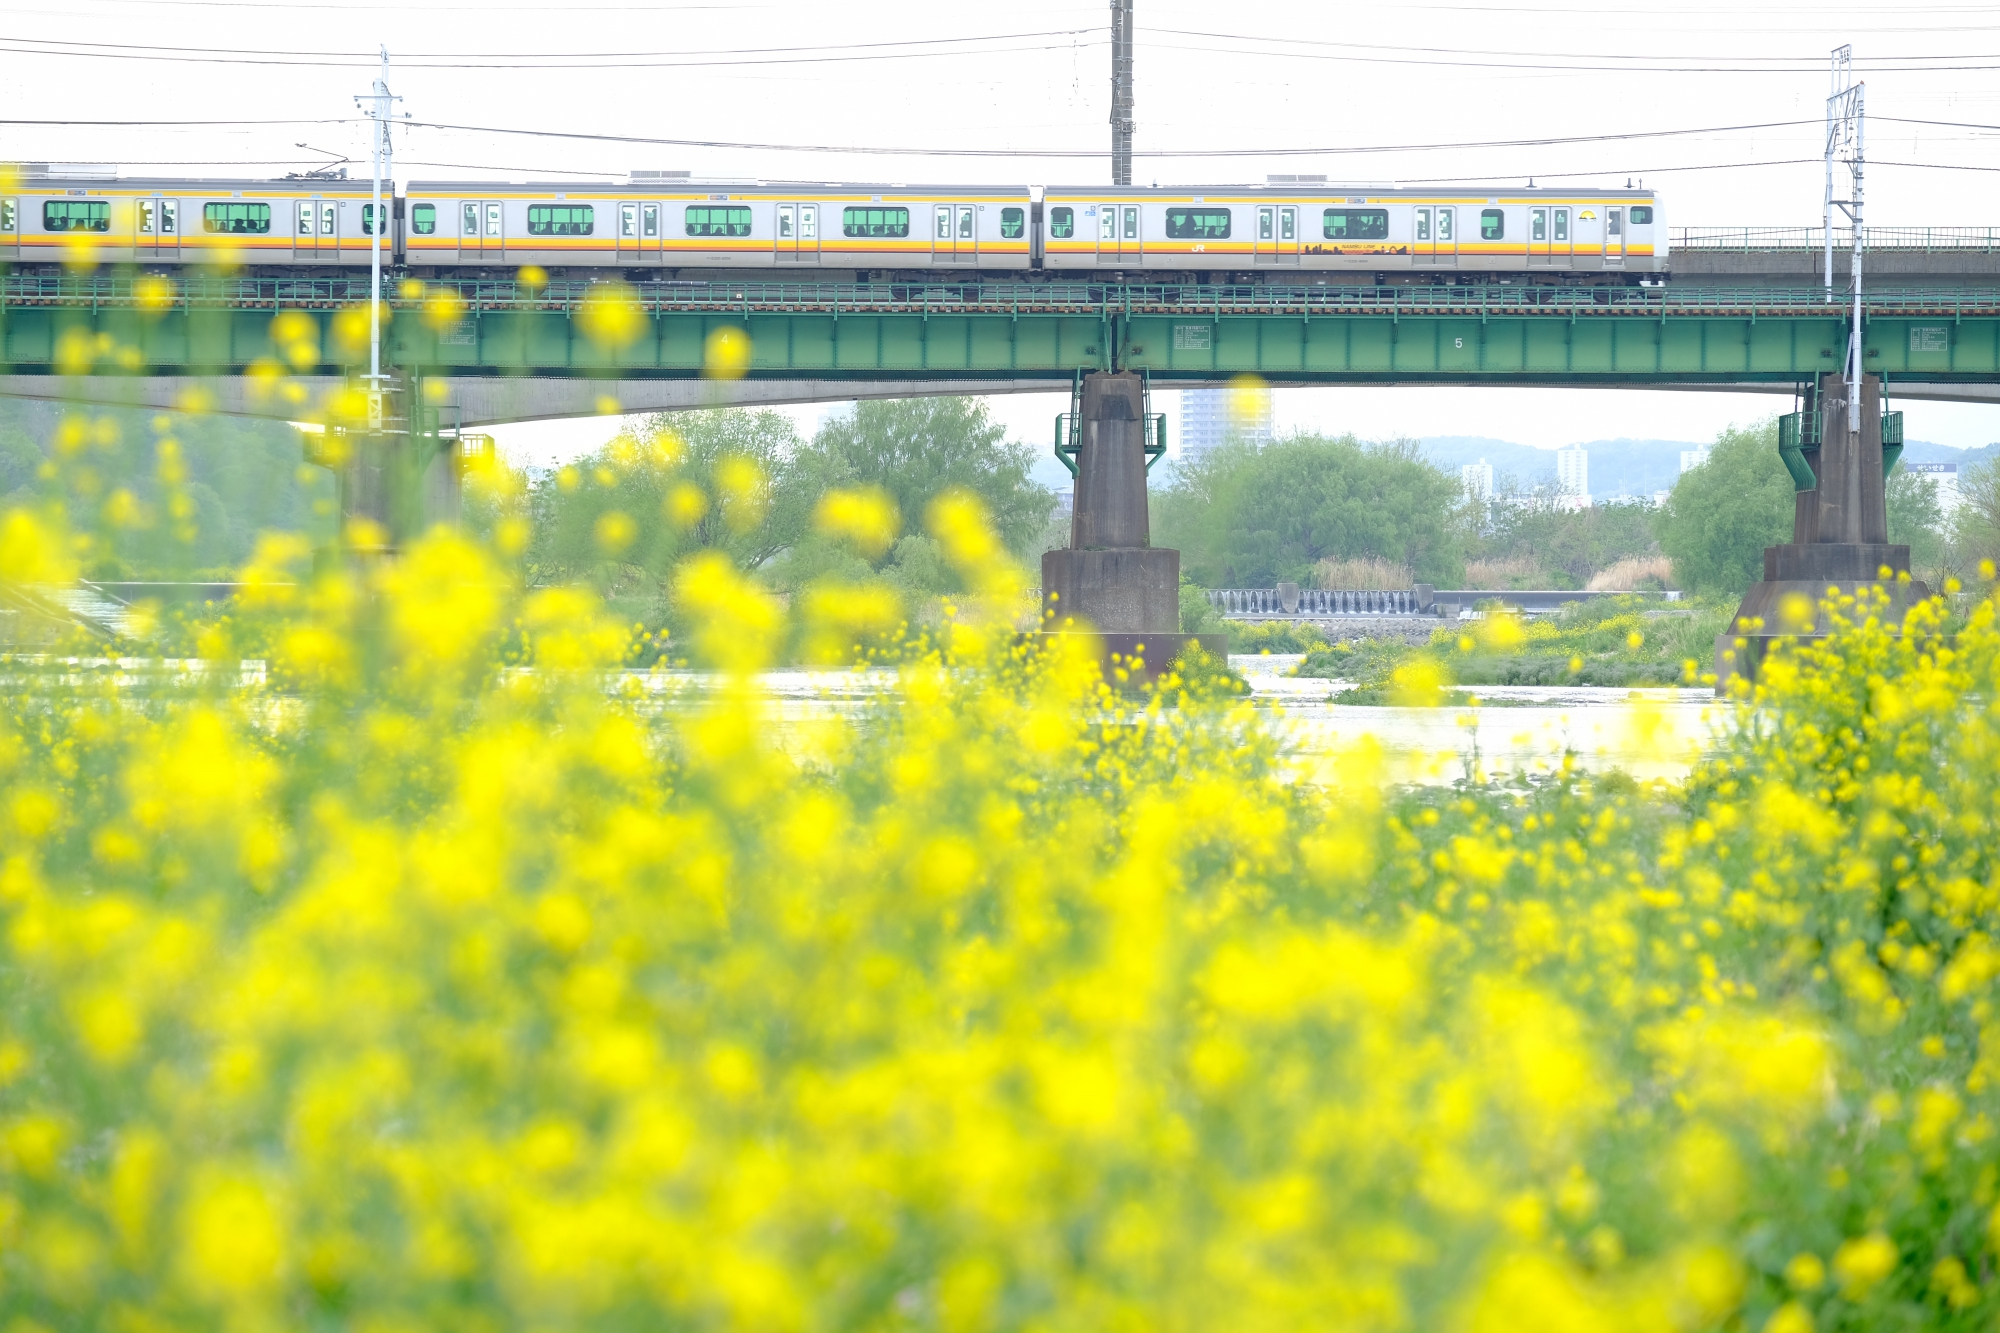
(1692, 458)
(1211, 416)
(1477, 478)
(1944, 477)
(1573, 474)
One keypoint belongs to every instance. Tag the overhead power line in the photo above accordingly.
(1803, 63)
(915, 48)
(1088, 153)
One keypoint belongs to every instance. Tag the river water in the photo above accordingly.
(1648, 733)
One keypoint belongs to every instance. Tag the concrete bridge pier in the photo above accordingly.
(1112, 583)
(1840, 536)
(396, 482)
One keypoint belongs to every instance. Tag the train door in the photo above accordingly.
(1614, 238)
(1277, 234)
(798, 234)
(316, 229)
(1118, 238)
(628, 233)
(157, 224)
(954, 234)
(481, 233)
(1437, 237)
(1548, 238)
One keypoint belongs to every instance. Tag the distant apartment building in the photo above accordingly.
(1210, 417)
(1692, 458)
(1477, 478)
(1573, 475)
(1944, 477)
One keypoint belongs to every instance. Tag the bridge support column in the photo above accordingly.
(397, 482)
(1113, 583)
(1840, 537)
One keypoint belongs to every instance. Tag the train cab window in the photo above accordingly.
(875, 223)
(1642, 216)
(424, 219)
(1198, 224)
(1013, 221)
(236, 219)
(1355, 224)
(561, 220)
(707, 220)
(78, 215)
(10, 216)
(1062, 223)
(1492, 224)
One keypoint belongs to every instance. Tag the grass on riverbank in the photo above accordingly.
(1622, 641)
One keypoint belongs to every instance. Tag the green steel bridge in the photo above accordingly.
(490, 351)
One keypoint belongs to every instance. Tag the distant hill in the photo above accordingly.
(1629, 467)
(1923, 451)
(1617, 467)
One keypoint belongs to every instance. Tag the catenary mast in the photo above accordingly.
(1121, 92)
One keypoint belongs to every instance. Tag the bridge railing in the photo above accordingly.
(1193, 302)
(1239, 602)
(1757, 240)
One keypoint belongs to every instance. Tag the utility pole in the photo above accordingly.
(378, 104)
(1845, 126)
(1121, 92)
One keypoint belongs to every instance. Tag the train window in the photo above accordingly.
(368, 219)
(10, 218)
(1355, 224)
(1198, 224)
(1492, 224)
(471, 220)
(1013, 221)
(77, 215)
(1642, 216)
(169, 217)
(561, 220)
(651, 223)
(875, 222)
(236, 219)
(424, 219)
(704, 220)
(307, 211)
(1062, 223)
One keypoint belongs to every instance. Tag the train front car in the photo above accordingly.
(1257, 233)
(661, 225)
(54, 216)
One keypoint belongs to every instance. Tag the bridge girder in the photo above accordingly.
(496, 352)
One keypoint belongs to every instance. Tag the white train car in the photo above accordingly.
(668, 223)
(95, 217)
(1324, 229)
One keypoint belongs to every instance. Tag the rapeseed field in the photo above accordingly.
(436, 975)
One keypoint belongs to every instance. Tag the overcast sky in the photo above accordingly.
(1312, 86)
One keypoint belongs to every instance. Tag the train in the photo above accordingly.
(671, 224)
